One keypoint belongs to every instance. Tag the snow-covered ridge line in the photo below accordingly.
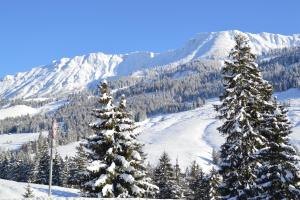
(69, 75)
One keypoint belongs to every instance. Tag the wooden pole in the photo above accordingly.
(52, 138)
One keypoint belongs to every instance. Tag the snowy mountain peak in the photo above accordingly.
(73, 74)
(216, 45)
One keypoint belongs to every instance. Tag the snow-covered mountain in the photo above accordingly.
(73, 74)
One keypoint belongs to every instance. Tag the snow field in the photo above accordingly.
(15, 141)
(22, 110)
(16, 111)
(14, 190)
(11, 190)
(181, 135)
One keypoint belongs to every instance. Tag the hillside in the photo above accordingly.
(192, 135)
(189, 135)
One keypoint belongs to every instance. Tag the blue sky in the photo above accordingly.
(35, 32)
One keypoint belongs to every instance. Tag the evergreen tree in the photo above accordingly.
(199, 186)
(57, 178)
(215, 156)
(66, 172)
(117, 167)
(164, 177)
(177, 172)
(72, 169)
(185, 184)
(23, 168)
(78, 169)
(42, 169)
(101, 145)
(180, 181)
(130, 159)
(2, 164)
(12, 167)
(279, 173)
(194, 170)
(241, 109)
(191, 176)
(28, 192)
(214, 183)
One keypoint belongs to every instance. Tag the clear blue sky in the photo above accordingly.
(35, 32)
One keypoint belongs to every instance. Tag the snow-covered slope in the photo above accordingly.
(18, 110)
(15, 141)
(180, 135)
(11, 190)
(72, 74)
(21, 110)
(192, 135)
(15, 190)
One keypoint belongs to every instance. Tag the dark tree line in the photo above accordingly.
(24, 166)
(174, 183)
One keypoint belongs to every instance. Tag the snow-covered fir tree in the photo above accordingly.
(4, 165)
(16, 166)
(117, 164)
(164, 177)
(191, 176)
(177, 172)
(130, 159)
(101, 149)
(215, 156)
(214, 183)
(42, 168)
(28, 192)
(27, 167)
(199, 186)
(58, 165)
(11, 166)
(279, 171)
(78, 174)
(66, 172)
(180, 179)
(241, 109)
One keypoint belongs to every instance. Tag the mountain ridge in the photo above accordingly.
(68, 75)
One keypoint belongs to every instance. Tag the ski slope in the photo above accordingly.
(181, 135)
(192, 135)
